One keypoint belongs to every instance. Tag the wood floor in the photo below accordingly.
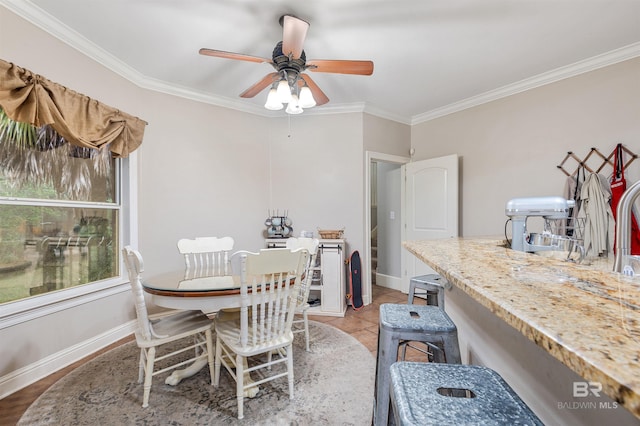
(363, 325)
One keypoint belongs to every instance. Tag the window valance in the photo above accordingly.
(30, 98)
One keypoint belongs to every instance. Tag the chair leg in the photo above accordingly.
(216, 374)
(412, 289)
(210, 354)
(403, 346)
(151, 356)
(306, 328)
(387, 355)
(290, 369)
(240, 385)
(452, 350)
(141, 366)
(197, 349)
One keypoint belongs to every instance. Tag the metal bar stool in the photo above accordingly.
(433, 286)
(421, 323)
(447, 394)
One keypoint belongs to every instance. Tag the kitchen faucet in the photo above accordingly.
(623, 224)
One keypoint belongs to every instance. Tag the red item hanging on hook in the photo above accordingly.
(618, 186)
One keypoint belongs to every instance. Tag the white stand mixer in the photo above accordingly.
(549, 208)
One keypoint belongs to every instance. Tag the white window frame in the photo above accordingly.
(19, 311)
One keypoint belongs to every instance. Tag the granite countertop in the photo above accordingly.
(585, 315)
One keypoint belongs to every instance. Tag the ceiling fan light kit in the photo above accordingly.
(289, 92)
(294, 106)
(284, 91)
(289, 84)
(273, 100)
(306, 98)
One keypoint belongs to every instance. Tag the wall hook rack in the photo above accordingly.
(594, 155)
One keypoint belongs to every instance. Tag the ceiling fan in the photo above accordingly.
(289, 83)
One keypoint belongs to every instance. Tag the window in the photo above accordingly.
(61, 216)
(67, 195)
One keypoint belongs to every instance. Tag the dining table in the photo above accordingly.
(209, 294)
(178, 290)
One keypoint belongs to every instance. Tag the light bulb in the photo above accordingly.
(273, 101)
(284, 92)
(294, 106)
(306, 98)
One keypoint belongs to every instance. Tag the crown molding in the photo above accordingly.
(57, 29)
(336, 109)
(194, 95)
(44, 21)
(613, 57)
(379, 112)
(62, 32)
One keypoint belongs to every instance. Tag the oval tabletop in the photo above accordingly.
(175, 284)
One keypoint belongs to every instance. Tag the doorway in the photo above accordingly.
(428, 191)
(383, 216)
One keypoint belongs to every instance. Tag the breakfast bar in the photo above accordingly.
(583, 315)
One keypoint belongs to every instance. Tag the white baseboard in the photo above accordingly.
(366, 299)
(389, 281)
(29, 374)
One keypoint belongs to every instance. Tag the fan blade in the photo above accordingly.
(317, 93)
(231, 55)
(294, 31)
(259, 86)
(341, 67)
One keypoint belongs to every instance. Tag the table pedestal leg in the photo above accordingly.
(178, 375)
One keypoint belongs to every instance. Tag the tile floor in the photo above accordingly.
(363, 324)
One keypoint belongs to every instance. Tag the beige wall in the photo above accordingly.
(386, 136)
(203, 170)
(511, 147)
(316, 173)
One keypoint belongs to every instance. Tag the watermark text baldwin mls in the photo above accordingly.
(583, 390)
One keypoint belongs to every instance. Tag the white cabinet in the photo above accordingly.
(328, 285)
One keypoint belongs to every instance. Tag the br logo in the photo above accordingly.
(584, 389)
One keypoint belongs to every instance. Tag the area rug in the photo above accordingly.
(333, 386)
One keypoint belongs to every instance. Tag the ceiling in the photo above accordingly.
(431, 56)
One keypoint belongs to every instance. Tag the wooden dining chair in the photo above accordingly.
(270, 282)
(301, 325)
(151, 334)
(206, 256)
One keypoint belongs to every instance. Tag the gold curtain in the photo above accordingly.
(30, 98)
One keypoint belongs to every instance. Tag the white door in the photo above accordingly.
(430, 207)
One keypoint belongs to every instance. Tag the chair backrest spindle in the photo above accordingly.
(206, 256)
(135, 267)
(273, 275)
